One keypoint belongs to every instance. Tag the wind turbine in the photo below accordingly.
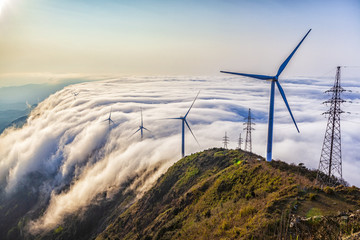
(29, 107)
(274, 80)
(109, 118)
(75, 94)
(141, 127)
(183, 122)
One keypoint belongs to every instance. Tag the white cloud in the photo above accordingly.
(69, 139)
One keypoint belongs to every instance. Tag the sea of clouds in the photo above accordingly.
(68, 139)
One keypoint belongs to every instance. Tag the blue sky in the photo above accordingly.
(176, 37)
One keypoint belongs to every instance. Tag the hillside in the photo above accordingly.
(214, 194)
(231, 194)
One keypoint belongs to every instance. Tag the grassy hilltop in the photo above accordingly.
(232, 194)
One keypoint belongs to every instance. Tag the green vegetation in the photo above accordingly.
(314, 212)
(312, 196)
(58, 230)
(231, 194)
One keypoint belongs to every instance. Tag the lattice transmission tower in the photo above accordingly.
(225, 141)
(240, 142)
(330, 166)
(248, 128)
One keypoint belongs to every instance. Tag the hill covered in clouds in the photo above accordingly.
(66, 161)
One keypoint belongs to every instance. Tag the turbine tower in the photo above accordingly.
(274, 80)
(183, 122)
(141, 127)
(330, 165)
(109, 118)
(248, 128)
(225, 141)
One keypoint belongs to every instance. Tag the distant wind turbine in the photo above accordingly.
(183, 122)
(109, 118)
(75, 94)
(141, 127)
(274, 80)
(29, 107)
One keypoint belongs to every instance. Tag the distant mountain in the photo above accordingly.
(19, 116)
(13, 99)
(18, 123)
(214, 194)
(8, 117)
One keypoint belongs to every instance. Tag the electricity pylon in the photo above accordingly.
(225, 141)
(248, 128)
(330, 165)
(240, 142)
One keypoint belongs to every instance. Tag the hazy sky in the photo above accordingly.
(158, 37)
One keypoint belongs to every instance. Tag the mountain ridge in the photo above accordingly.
(213, 194)
(232, 194)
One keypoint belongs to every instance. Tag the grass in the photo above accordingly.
(227, 194)
(314, 212)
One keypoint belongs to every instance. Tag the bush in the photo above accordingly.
(329, 190)
(219, 154)
(224, 225)
(58, 230)
(248, 196)
(312, 196)
(247, 211)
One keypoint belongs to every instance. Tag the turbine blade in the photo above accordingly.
(262, 77)
(286, 103)
(112, 121)
(135, 132)
(283, 65)
(191, 132)
(170, 118)
(28, 105)
(192, 104)
(146, 129)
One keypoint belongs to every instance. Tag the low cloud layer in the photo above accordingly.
(69, 140)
